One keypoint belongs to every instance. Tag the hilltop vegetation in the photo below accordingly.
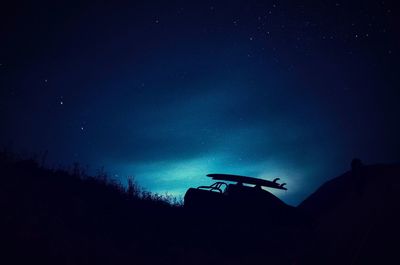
(55, 216)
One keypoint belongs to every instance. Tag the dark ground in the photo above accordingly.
(66, 217)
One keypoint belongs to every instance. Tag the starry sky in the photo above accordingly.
(168, 91)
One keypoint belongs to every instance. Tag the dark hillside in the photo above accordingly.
(53, 216)
(56, 217)
(356, 217)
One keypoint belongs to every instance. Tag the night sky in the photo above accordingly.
(169, 91)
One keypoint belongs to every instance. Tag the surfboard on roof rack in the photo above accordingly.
(249, 180)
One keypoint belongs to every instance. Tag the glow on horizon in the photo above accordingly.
(175, 177)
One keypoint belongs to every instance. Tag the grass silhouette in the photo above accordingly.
(56, 216)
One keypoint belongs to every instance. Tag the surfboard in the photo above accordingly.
(249, 180)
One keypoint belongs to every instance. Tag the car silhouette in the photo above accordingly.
(244, 194)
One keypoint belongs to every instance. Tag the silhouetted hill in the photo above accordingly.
(61, 217)
(356, 217)
(52, 216)
(57, 217)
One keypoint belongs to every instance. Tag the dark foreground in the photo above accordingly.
(60, 217)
